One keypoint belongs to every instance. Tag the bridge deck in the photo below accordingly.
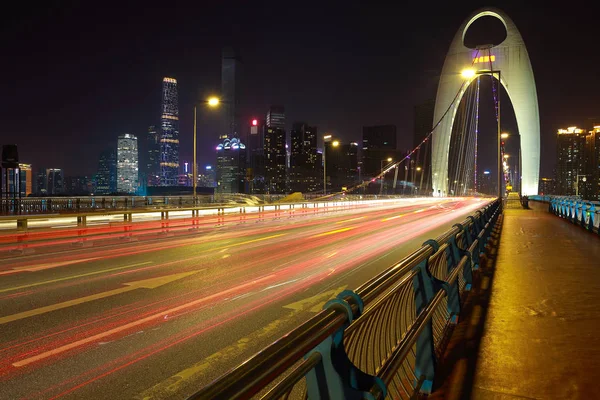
(541, 327)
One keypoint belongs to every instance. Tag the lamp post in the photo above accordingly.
(506, 135)
(577, 183)
(470, 74)
(212, 102)
(334, 143)
(389, 160)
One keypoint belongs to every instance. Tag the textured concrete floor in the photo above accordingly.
(539, 330)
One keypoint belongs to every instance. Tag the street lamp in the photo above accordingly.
(335, 143)
(470, 74)
(212, 102)
(506, 135)
(577, 183)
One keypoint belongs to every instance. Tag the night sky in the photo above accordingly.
(75, 77)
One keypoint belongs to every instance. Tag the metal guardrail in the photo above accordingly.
(50, 205)
(581, 212)
(383, 338)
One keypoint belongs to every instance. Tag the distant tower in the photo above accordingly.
(169, 139)
(153, 157)
(127, 163)
(274, 151)
(106, 176)
(570, 145)
(230, 82)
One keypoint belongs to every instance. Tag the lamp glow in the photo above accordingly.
(335, 143)
(468, 73)
(504, 135)
(213, 101)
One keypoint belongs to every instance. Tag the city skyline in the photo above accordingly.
(367, 101)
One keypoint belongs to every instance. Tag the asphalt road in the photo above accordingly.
(160, 317)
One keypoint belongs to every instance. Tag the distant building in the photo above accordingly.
(570, 157)
(152, 170)
(207, 178)
(41, 182)
(304, 172)
(231, 66)
(547, 186)
(379, 143)
(275, 160)
(127, 163)
(106, 176)
(342, 166)
(256, 156)
(169, 139)
(276, 117)
(592, 164)
(231, 166)
(78, 185)
(486, 183)
(55, 184)
(25, 179)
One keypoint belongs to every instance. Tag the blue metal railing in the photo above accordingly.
(383, 338)
(581, 212)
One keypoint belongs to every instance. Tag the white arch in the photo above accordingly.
(512, 59)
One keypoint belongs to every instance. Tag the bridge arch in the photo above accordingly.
(512, 59)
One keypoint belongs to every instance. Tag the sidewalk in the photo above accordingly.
(532, 330)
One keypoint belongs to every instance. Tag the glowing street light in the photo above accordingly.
(504, 135)
(506, 156)
(212, 102)
(418, 168)
(468, 73)
(335, 143)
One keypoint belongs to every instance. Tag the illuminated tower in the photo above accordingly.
(127, 163)
(169, 139)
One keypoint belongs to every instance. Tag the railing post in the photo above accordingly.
(424, 291)
(335, 376)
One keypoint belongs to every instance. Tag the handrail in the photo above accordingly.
(335, 339)
(585, 213)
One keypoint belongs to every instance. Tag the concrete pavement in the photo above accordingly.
(533, 327)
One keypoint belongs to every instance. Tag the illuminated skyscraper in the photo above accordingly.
(231, 166)
(570, 159)
(169, 139)
(276, 117)
(127, 163)
(304, 172)
(230, 82)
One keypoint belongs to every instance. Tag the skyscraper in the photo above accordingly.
(152, 170)
(169, 139)
(304, 172)
(276, 117)
(127, 163)
(106, 176)
(231, 166)
(275, 151)
(570, 146)
(592, 164)
(41, 181)
(55, 181)
(230, 83)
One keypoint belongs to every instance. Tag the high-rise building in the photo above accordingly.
(304, 172)
(592, 164)
(152, 170)
(342, 165)
(230, 82)
(379, 143)
(127, 163)
(55, 183)
(256, 156)
(169, 139)
(26, 179)
(275, 160)
(41, 182)
(547, 186)
(231, 166)
(106, 176)
(276, 117)
(570, 160)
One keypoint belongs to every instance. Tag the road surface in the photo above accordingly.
(160, 317)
